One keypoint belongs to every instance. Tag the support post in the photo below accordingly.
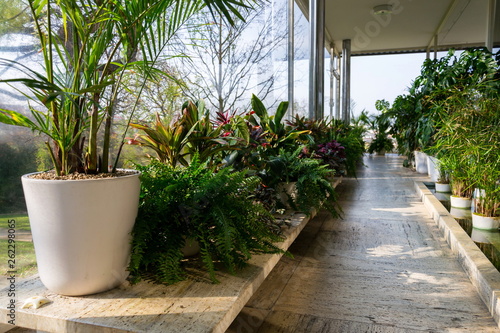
(332, 77)
(435, 47)
(291, 56)
(490, 24)
(317, 58)
(337, 96)
(346, 80)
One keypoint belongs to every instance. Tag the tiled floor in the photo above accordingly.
(382, 268)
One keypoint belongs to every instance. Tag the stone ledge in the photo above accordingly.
(483, 275)
(187, 306)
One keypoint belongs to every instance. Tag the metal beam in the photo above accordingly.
(317, 58)
(346, 80)
(291, 56)
(444, 19)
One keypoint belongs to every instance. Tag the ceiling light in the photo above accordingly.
(382, 9)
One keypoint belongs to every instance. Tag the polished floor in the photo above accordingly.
(382, 268)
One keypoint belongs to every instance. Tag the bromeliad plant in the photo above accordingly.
(193, 133)
(279, 135)
(87, 47)
(218, 210)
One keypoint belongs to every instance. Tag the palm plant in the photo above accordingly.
(87, 47)
(380, 125)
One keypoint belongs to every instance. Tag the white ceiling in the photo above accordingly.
(411, 26)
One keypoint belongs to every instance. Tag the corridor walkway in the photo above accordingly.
(382, 268)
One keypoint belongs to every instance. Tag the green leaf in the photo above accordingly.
(16, 118)
(280, 112)
(260, 109)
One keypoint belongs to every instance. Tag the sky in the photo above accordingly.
(382, 77)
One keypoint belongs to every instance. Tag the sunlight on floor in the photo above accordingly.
(390, 250)
(404, 211)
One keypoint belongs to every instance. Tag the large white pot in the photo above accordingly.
(432, 168)
(459, 202)
(81, 231)
(420, 162)
(485, 222)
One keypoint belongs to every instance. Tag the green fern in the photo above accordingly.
(314, 189)
(217, 209)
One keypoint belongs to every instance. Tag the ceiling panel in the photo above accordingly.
(410, 27)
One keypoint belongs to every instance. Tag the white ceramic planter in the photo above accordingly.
(442, 188)
(420, 162)
(432, 168)
(81, 231)
(459, 202)
(485, 222)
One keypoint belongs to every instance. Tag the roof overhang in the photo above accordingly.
(410, 27)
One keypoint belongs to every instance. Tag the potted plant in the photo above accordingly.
(485, 168)
(381, 144)
(443, 181)
(380, 125)
(86, 53)
(301, 183)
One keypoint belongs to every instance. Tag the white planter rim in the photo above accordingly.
(133, 173)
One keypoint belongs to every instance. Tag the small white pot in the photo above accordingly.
(420, 162)
(485, 222)
(81, 231)
(432, 168)
(459, 202)
(442, 188)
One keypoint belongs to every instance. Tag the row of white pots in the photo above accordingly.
(420, 162)
(426, 164)
(463, 208)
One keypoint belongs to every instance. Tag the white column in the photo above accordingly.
(490, 24)
(317, 58)
(291, 45)
(338, 85)
(346, 80)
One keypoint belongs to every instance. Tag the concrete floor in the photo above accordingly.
(382, 268)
